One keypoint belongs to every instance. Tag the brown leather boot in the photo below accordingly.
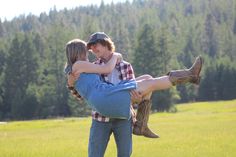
(187, 75)
(141, 127)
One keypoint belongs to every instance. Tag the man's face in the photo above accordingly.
(98, 50)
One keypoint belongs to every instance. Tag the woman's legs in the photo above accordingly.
(143, 77)
(146, 85)
(174, 77)
(149, 85)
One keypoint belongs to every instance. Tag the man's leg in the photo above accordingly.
(122, 130)
(99, 137)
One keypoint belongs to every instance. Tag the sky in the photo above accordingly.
(13, 8)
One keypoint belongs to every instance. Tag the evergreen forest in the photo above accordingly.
(156, 36)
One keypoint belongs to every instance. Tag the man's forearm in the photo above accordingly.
(74, 92)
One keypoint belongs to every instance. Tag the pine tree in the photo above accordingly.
(2, 31)
(210, 44)
(53, 90)
(121, 39)
(21, 66)
(146, 57)
(2, 65)
(2, 60)
(207, 89)
(12, 74)
(234, 27)
(187, 92)
(163, 100)
(151, 56)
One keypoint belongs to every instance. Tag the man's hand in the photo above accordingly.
(136, 96)
(75, 74)
(70, 80)
(119, 57)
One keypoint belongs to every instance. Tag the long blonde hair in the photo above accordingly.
(76, 49)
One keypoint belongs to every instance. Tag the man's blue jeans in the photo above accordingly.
(100, 134)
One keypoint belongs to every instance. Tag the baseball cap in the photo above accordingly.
(97, 36)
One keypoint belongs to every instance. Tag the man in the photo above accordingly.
(102, 127)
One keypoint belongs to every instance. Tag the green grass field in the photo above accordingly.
(206, 129)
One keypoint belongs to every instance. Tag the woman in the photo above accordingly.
(114, 100)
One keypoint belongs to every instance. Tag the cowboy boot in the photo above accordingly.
(187, 75)
(140, 126)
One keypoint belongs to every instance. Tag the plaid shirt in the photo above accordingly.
(126, 73)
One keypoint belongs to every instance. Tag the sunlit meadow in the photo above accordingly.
(206, 129)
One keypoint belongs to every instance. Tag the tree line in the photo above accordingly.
(155, 36)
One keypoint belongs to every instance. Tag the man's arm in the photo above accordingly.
(74, 92)
(127, 73)
(70, 86)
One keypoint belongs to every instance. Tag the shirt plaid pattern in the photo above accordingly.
(74, 92)
(126, 73)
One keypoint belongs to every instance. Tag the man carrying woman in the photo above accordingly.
(114, 100)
